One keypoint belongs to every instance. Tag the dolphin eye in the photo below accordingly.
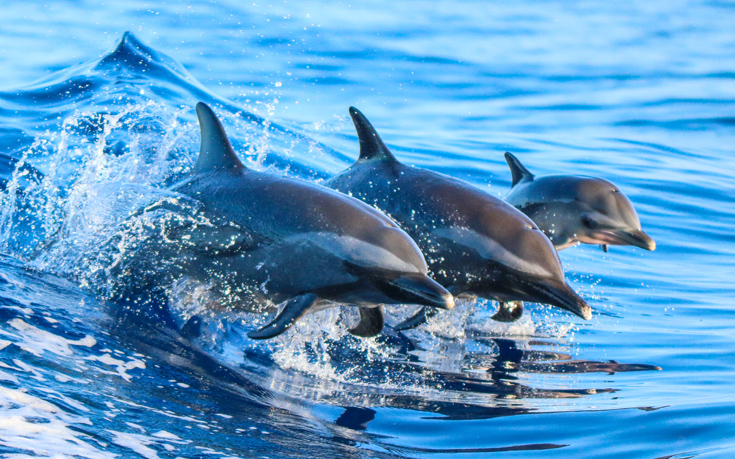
(588, 222)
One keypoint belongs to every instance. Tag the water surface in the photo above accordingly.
(95, 122)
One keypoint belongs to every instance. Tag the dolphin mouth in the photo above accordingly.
(637, 238)
(563, 296)
(416, 289)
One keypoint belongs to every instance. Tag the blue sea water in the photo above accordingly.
(95, 122)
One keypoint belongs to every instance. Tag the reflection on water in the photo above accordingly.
(479, 376)
(492, 383)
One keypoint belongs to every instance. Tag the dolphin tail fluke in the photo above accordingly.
(508, 312)
(215, 152)
(371, 145)
(417, 319)
(294, 309)
(517, 170)
(371, 322)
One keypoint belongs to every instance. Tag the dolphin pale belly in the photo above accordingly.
(474, 243)
(570, 209)
(260, 238)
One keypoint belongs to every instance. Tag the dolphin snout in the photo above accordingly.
(417, 289)
(563, 296)
(638, 238)
(622, 236)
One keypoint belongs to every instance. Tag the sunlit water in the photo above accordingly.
(641, 95)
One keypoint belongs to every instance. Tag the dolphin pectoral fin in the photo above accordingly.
(215, 152)
(518, 171)
(371, 322)
(192, 328)
(508, 311)
(416, 319)
(292, 311)
(604, 247)
(371, 145)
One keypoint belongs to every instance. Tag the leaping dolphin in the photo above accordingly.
(474, 243)
(570, 209)
(260, 237)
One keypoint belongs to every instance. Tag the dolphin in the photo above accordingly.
(475, 243)
(570, 209)
(263, 239)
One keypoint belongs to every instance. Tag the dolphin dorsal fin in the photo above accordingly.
(517, 170)
(371, 145)
(215, 152)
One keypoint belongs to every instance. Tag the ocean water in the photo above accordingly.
(96, 122)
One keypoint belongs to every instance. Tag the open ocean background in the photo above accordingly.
(94, 121)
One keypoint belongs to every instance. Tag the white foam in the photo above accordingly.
(52, 437)
(166, 435)
(8, 377)
(36, 341)
(29, 369)
(523, 327)
(53, 395)
(134, 442)
(121, 366)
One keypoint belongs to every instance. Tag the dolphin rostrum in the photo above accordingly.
(570, 209)
(474, 243)
(261, 238)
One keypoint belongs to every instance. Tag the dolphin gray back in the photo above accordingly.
(431, 206)
(527, 190)
(271, 208)
(573, 208)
